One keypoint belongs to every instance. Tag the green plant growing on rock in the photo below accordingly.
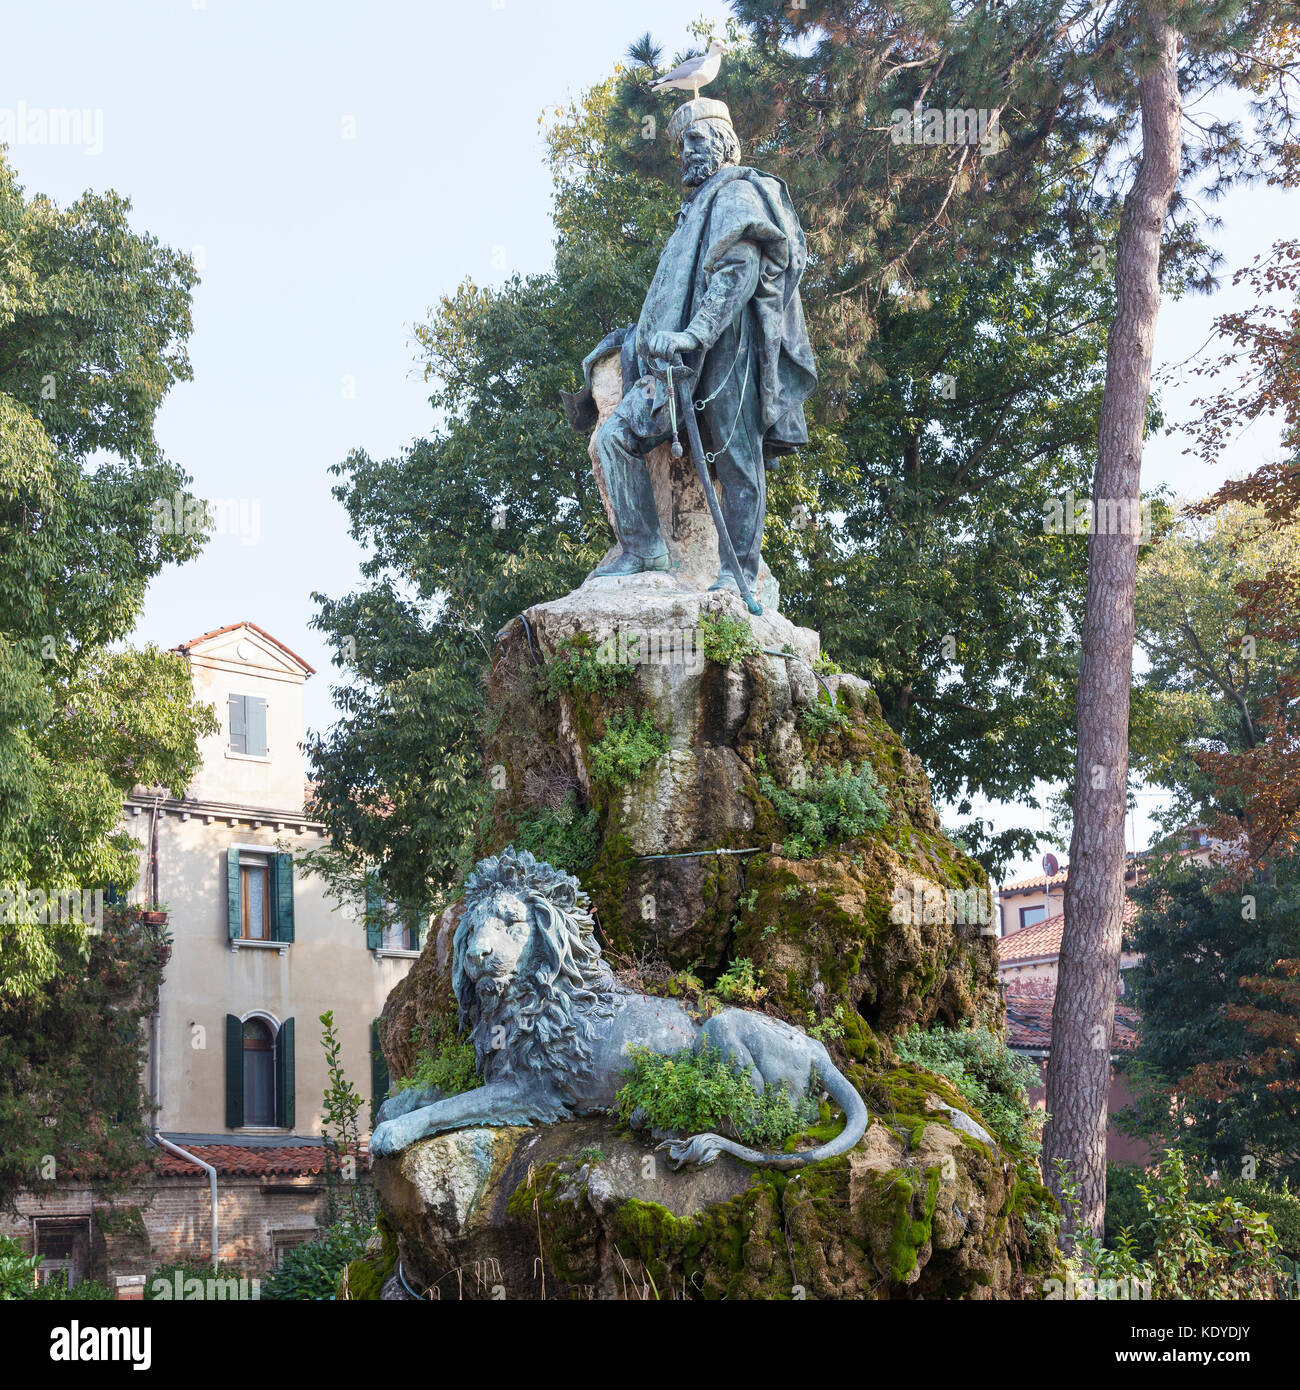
(825, 666)
(728, 641)
(580, 667)
(833, 804)
(631, 743)
(987, 1073)
(445, 1061)
(695, 1092)
(738, 984)
(830, 1027)
(819, 717)
(567, 837)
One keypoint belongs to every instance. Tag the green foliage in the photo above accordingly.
(311, 1271)
(568, 837)
(630, 744)
(93, 323)
(445, 1061)
(580, 668)
(833, 804)
(738, 984)
(1204, 685)
(76, 1047)
(18, 1279)
(728, 641)
(1190, 1072)
(17, 1270)
(831, 1027)
(820, 716)
(347, 1199)
(83, 1291)
(1216, 1249)
(694, 1092)
(985, 1070)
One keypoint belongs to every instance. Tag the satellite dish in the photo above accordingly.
(1051, 867)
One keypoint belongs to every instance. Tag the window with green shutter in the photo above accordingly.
(234, 897)
(379, 1079)
(234, 1072)
(282, 896)
(374, 914)
(284, 1076)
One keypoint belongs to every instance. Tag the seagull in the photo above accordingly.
(694, 73)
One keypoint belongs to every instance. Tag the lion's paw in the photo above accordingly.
(698, 1150)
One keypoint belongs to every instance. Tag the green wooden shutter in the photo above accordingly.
(234, 1072)
(238, 725)
(234, 904)
(255, 715)
(284, 1075)
(374, 914)
(282, 901)
(379, 1080)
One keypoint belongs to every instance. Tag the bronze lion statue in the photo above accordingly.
(552, 1027)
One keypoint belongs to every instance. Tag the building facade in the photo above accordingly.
(259, 950)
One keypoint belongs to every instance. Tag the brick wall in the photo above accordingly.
(174, 1221)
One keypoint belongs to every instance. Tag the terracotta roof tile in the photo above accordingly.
(1031, 943)
(1029, 1019)
(1024, 885)
(232, 1160)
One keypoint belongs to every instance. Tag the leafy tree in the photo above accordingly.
(1219, 1017)
(93, 323)
(1210, 676)
(72, 1052)
(907, 583)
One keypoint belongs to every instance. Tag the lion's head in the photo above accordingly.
(527, 971)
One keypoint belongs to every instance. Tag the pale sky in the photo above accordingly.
(336, 168)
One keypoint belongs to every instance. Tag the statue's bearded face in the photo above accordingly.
(705, 149)
(497, 942)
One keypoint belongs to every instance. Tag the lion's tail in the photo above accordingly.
(855, 1126)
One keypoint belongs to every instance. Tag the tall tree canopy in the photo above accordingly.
(93, 323)
(911, 531)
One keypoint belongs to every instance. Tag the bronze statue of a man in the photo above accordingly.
(725, 302)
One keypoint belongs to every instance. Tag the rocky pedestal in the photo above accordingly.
(859, 937)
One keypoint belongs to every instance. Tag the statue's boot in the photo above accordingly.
(628, 564)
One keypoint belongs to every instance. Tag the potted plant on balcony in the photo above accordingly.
(153, 914)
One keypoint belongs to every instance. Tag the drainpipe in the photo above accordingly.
(212, 1183)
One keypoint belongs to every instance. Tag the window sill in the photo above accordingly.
(248, 757)
(393, 953)
(238, 943)
(262, 1129)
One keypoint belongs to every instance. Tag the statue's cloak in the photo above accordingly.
(741, 204)
(737, 204)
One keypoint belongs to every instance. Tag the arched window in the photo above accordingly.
(259, 1072)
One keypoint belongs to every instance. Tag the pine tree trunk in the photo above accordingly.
(1083, 1016)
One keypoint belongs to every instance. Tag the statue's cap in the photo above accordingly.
(701, 109)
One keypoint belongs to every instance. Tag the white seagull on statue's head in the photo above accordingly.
(694, 73)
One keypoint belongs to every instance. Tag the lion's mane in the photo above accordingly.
(547, 1011)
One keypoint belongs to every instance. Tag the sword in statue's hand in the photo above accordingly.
(681, 400)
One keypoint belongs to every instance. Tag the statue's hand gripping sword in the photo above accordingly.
(681, 401)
